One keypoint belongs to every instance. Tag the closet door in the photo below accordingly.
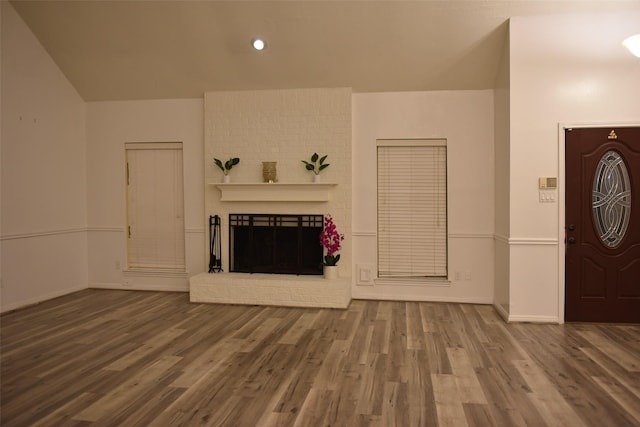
(155, 206)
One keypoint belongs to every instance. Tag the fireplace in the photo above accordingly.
(276, 244)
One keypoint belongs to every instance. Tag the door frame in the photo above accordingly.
(562, 126)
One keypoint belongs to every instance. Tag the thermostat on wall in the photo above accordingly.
(547, 183)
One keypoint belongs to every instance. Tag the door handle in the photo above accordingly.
(571, 240)
(571, 227)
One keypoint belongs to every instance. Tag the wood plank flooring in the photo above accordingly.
(126, 358)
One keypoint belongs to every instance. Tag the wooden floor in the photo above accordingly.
(126, 358)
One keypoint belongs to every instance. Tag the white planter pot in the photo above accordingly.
(330, 272)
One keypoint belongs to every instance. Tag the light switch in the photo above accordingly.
(547, 196)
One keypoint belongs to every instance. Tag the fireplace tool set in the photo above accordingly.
(215, 246)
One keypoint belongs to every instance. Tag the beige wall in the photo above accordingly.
(109, 126)
(465, 120)
(555, 81)
(44, 200)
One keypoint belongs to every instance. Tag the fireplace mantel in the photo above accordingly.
(276, 192)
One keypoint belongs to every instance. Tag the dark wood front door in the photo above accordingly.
(602, 261)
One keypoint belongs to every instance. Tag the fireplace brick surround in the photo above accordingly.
(271, 289)
(285, 126)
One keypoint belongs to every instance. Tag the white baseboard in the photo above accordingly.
(534, 319)
(461, 300)
(40, 298)
(509, 318)
(501, 311)
(170, 287)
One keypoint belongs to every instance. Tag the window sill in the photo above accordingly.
(155, 272)
(417, 281)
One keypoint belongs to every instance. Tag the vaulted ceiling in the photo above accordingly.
(120, 50)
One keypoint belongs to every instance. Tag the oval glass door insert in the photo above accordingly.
(611, 199)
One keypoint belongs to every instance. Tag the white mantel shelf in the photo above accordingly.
(276, 192)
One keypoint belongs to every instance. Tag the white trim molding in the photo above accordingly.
(450, 235)
(194, 230)
(502, 311)
(43, 233)
(161, 287)
(410, 281)
(155, 273)
(471, 236)
(502, 239)
(533, 319)
(107, 229)
(364, 233)
(419, 298)
(533, 241)
(525, 241)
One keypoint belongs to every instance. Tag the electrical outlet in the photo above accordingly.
(117, 265)
(365, 274)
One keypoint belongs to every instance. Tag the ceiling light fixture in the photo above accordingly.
(258, 44)
(633, 44)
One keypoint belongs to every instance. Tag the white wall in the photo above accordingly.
(502, 208)
(43, 173)
(109, 126)
(62, 179)
(1, 120)
(566, 69)
(465, 120)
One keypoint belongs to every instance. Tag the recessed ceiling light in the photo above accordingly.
(258, 44)
(633, 44)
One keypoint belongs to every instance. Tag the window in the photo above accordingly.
(155, 211)
(412, 208)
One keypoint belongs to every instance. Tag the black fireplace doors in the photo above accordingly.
(278, 244)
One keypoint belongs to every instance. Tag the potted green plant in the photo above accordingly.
(226, 166)
(316, 165)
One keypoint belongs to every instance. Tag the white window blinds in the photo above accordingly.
(155, 206)
(412, 208)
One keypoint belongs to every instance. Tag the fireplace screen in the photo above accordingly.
(278, 244)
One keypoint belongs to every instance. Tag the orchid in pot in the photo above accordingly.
(331, 240)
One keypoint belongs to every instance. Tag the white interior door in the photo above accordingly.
(155, 206)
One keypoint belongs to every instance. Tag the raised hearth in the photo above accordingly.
(270, 289)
